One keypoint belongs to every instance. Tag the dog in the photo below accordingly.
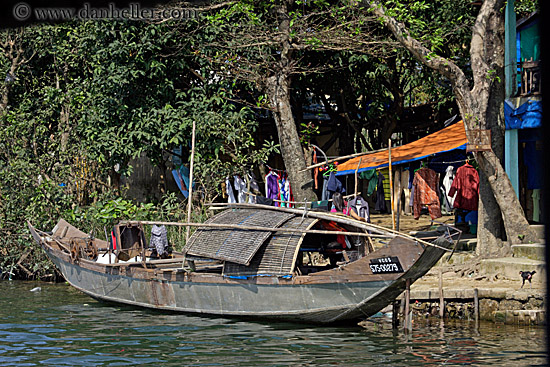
(527, 275)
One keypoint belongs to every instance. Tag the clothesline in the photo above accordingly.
(274, 169)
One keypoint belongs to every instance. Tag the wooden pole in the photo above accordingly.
(190, 188)
(476, 304)
(356, 178)
(395, 314)
(258, 228)
(441, 298)
(391, 185)
(407, 322)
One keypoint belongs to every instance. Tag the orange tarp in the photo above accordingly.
(444, 140)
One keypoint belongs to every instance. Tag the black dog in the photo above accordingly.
(527, 275)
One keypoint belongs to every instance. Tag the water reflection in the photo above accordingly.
(59, 326)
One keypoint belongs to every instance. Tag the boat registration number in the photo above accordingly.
(384, 265)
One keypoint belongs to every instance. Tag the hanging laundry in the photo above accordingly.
(425, 192)
(360, 207)
(405, 177)
(372, 178)
(229, 190)
(387, 192)
(466, 187)
(380, 196)
(272, 187)
(240, 185)
(447, 182)
(179, 181)
(159, 239)
(334, 185)
(254, 187)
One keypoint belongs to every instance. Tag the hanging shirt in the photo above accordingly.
(240, 186)
(380, 196)
(360, 207)
(334, 185)
(254, 188)
(229, 191)
(466, 187)
(447, 182)
(372, 179)
(272, 187)
(425, 184)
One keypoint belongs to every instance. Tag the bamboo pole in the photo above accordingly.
(339, 218)
(341, 158)
(391, 185)
(356, 178)
(476, 305)
(258, 228)
(441, 297)
(190, 188)
(407, 323)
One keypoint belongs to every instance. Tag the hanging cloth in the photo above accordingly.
(425, 192)
(229, 190)
(360, 207)
(447, 182)
(372, 179)
(334, 185)
(254, 187)
(240, 186)
(272, 187)
(466, 187)
(380, 196)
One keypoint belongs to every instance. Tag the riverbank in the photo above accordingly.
(497, 282)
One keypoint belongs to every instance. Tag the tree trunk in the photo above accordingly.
(477, 108)
(278, 89)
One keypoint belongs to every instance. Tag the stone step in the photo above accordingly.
(539, 229)
(533, 251)
(510, 267)
(522, 317)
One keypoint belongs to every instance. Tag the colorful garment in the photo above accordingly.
(425, 184)
(466, 187)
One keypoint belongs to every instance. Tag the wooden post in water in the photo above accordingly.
(190, 188)
(441, 298)
(391, 185)
(408, 321)
(476, 304)
(395, 314)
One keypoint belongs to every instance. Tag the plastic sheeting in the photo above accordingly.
(526, 115)
(445, 140)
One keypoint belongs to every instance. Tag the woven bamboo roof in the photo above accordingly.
(235, 245)
(278, 255)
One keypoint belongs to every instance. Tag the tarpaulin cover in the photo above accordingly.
(527, 115)
(445, 140)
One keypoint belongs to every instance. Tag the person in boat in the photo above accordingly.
(339, 205)
(333, 249)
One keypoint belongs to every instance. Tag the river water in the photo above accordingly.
(59, 326)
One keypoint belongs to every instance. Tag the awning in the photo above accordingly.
(445, 140)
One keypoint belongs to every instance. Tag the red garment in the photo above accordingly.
(466, 187)
(425, 193)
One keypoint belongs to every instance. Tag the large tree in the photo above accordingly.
(480, 100)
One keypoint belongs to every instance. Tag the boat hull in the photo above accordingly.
(312, 303)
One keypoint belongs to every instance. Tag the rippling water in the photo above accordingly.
(58, 326)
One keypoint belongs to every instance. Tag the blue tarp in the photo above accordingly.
(526, 116)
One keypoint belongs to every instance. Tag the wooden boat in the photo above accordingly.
(252, 261)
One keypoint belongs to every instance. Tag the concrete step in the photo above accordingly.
(533, 251)
(510, 267)
(539, 229)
